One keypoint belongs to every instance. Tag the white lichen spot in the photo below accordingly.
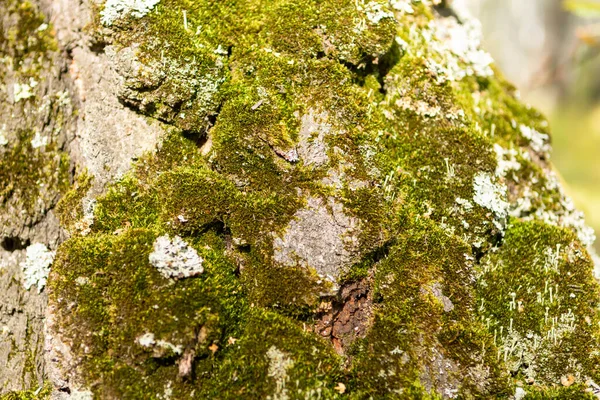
(81, 395)
(36, 266)
(24, 90)
(63, 98)
(466, 204)
(220, 50)
(419, 107)
(146, 340)
(82, 280)
(279, 364)
(520, 393)
(177, 349)
(168, 391)
(506, 159)
(174, 258)
(3, 139)
(115, 9)
(457, 46)
(539, 142)
(404, 6)
(84, 225)
(375, 12)
(490, 195)
(39, 141)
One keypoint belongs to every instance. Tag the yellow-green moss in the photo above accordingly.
(42, 393)
(70, 207)
(30, 176)
(537, 295)
(23, 169)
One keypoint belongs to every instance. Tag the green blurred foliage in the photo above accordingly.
(583, 8)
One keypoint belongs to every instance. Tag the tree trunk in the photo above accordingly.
(279, 199)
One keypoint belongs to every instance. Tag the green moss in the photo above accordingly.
(126, 205)
(25, 170)
(537, 295)
(70, 207)
(412, 319)
(575, 392)
(41, 393)
(128, 298)
(22, 40)
(313, 368)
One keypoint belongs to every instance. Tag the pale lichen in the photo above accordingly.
(36, 266)
(458, 45)
(507, 160)
(174, 258)
(279, 364)
(490, 195)
(404, 6)
(39, 141)
(539, 142)
(23, 91)
(160, 346)
(115, 9)
(3, 139)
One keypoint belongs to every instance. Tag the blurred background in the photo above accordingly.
(550, 49)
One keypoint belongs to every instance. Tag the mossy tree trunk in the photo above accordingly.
(279, 199)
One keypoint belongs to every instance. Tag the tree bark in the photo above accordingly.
(279, 199)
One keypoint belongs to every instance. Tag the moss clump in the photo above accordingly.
(423, 319)
(25, 171)
(191, 315)
(41, 393)
(70, 208)
(537, 295)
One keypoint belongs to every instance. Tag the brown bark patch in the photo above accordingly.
(346, 317)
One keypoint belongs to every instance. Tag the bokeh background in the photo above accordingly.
(550, 49)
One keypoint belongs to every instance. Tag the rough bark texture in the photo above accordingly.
(279, 199)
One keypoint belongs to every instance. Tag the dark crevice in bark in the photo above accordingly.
(378, 67)
(97, 47)
(444, 9)
(14, 243)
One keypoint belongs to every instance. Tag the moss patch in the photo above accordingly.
(274, 102)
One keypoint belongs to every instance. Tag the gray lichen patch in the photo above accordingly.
(321, 236)
(491, 195)
(539, 142)
(115, 9)
(36, 266)
(174, 258)
(279, 364)
(184, 93)
(312, 148)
